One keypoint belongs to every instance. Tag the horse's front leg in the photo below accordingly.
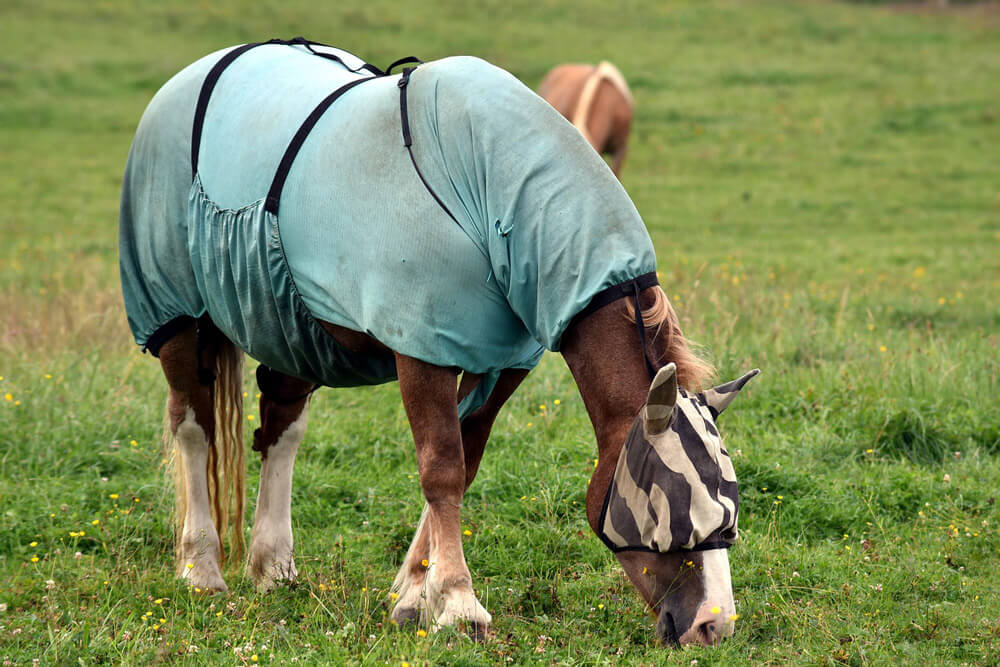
(411, 589)
(284, 406)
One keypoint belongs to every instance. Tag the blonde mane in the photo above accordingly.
(605, 71)
(692, 371)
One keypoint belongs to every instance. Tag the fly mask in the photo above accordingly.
(674, 487)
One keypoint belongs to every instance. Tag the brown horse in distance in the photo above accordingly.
(597, 101)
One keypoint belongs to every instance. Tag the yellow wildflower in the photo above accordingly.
(8, 397)
(393, 596)
(733, 617)
(133, 443)
(467, 532)
(421, 633)
(425, 563)
(881, 348)
(250, 418)
(34, 559)
(33, 544)
(218, 614)
(158, 601)
(253, 658)
(190, 566)
(556, 402)
(113, 496)
(95, 522)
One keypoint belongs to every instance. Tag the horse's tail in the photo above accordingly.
(605, 71)
(692, 370)
(226, 470)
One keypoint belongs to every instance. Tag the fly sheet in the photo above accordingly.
(479, 260)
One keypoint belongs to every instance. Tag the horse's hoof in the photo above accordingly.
(406, 616)
(478, 632)
(200, 581)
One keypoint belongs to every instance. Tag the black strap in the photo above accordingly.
(640, 325)
(302, 41)
(403, 61)
(404, 119)
(615, 292)
(207, 86)
(273, 200)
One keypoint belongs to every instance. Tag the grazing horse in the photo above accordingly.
(346, 226)
(597, 101)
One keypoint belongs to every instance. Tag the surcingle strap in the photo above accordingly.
(404, 119)
(641, 326)
(273, 200)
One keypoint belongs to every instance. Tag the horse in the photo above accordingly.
(442, 226)
(598, 102)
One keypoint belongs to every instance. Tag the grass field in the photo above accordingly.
(822, 184)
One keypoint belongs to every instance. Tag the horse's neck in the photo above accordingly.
(603, 352)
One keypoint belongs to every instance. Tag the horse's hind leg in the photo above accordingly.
(409, 587)
(192, 422)
(284, 406)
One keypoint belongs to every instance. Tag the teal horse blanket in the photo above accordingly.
(530, 225)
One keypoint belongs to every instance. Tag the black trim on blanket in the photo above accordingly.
(273, 200)
(404, 119)
(165, 332)
(615, 292)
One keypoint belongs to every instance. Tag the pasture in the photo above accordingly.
(822, 185)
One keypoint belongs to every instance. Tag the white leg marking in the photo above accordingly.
(449, 594)
(436, 594)
(271, 557)
(408, 588)
(199, 564)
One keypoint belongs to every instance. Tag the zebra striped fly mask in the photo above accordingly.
(674, 487)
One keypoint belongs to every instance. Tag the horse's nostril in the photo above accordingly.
(708, 633)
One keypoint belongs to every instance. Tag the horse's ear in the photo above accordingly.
(661, 400)
(719, 398)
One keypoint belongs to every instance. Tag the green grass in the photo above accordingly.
(821, 183)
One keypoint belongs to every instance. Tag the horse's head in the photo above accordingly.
(670, 511)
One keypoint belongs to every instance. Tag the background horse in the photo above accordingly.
(417, 235)
(597, 101)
